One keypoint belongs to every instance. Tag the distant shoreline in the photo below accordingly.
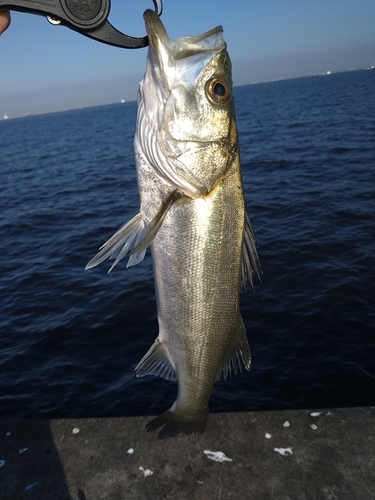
(5, 117)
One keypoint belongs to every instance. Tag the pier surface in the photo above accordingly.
(274, 455)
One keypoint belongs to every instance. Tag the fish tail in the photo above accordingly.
(174, 423)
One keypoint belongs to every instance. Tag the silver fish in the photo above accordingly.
(193, 215)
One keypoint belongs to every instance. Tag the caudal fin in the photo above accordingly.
(174, 423)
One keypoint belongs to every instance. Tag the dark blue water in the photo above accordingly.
(70, 339)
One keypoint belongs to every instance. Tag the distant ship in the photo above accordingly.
(5, 117)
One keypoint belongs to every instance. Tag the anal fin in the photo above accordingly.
(156, 362)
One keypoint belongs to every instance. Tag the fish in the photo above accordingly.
(193, 216)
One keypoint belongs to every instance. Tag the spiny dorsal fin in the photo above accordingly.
(238, 354)
(250, 259)
(156, 362)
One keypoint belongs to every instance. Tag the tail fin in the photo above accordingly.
(175, 423)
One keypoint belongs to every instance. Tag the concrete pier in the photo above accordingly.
(277, 455)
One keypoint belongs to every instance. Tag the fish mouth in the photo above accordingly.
(184, 46)
(173, 62)
(157, 34)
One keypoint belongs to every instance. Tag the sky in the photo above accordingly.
(46, 68)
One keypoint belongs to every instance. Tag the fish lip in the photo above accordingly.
(155, 30)
(182, 47)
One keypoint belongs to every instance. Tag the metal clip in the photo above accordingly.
(88, 17)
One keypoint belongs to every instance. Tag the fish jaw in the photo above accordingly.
(167, 57)
(179, 126)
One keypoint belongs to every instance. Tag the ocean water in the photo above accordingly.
(70, 338)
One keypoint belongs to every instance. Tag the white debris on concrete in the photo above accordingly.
(284, 451)
(146, 472)
(217, 456)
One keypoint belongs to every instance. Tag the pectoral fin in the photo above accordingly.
(157, 222)
(250, 259)
(120, 244)
(132, 239)
(238, 353)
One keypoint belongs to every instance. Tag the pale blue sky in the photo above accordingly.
(46, 68)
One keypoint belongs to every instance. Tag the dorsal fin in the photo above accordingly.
(238, 354)
(250, 259)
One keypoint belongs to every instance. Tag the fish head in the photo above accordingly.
(186, 121)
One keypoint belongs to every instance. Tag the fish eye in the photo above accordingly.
(218, 90)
